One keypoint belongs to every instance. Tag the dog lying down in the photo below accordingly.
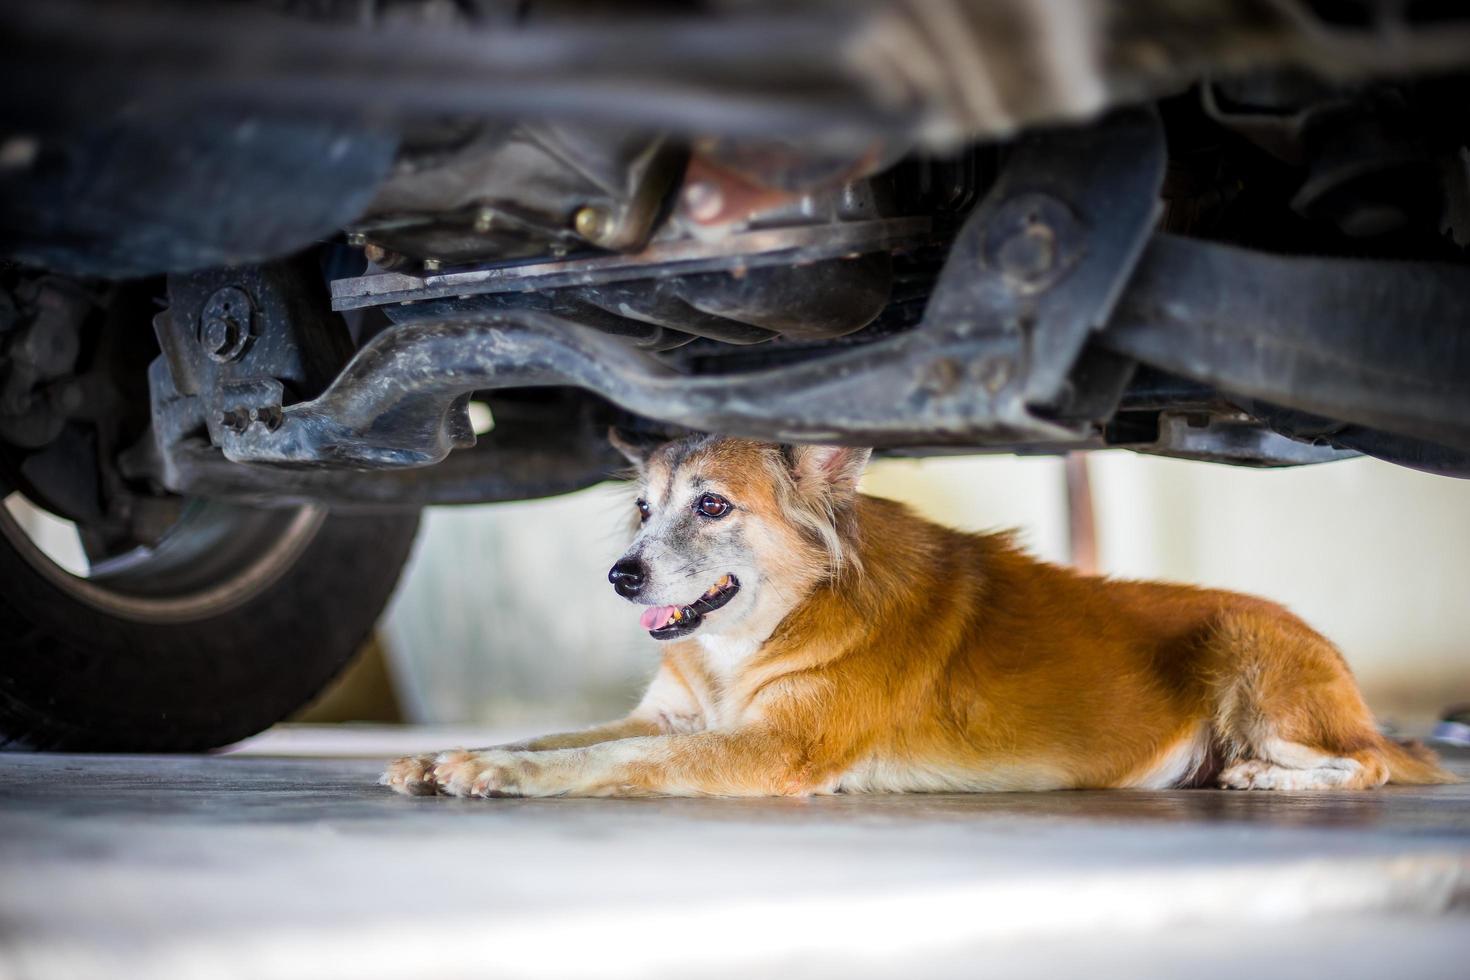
(816, 640)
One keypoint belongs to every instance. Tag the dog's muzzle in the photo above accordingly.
(672, 622)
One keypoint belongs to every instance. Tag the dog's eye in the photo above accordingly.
(712, 505)
(643, 509)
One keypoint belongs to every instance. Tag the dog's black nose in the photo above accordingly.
(627, 577)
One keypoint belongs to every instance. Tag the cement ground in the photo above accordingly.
(286, 860)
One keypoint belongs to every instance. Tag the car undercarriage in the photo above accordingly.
(371, 255)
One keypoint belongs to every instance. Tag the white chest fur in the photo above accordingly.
(724, 656)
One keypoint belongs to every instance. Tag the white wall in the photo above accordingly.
(1375, 556)
(505, 614)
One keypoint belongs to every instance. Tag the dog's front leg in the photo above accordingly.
(745, 762)
(414, 775)
(668, 705)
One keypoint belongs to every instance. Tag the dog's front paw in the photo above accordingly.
(490, 773)
(1250, 774)
(412, 775)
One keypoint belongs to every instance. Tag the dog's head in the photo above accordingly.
(733, 533)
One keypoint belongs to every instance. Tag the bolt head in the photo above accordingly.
(1030, 253)
(594, 224)
(1031, 241)
(19, 152)
(993, 373)
(703, 201)
(220, 334)
(942, 376)
(356, 239)
(383, 258)
(432, 265)
(225, 324)
(484, 220)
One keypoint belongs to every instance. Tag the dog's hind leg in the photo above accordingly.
(1293, 766)
(1288, 714)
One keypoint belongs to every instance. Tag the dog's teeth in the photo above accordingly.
(723, 583)
(676, 615)
(714, 590)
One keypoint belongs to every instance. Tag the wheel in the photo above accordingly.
(228, 623)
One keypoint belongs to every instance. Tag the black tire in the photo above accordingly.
(80, 675)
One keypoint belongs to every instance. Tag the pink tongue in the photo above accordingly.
(655, 616)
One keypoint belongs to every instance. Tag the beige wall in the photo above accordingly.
(506, 612)
(1374, 555)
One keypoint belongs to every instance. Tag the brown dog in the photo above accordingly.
(822, 641)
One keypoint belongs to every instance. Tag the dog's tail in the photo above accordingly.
(1412, 763)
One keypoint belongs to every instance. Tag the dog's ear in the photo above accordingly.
(833, 470)
(635, 451)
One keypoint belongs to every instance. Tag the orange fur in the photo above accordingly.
(931, 659)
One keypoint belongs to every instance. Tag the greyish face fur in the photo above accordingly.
(732, 533)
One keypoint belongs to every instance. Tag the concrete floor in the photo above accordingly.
(285, 860)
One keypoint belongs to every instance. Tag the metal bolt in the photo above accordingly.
(993, 373)
(225, 324)
(1031, 241)
(1030, 253)
(381, 257)
(268, 416)
(703, 201)
(357, 239)
(432, 265)
(235, 419)
(19, 152)
(594, 224)
(220, 334)
(941, 376)
(484, 220)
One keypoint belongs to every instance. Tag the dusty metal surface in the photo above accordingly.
(276, 866)
(743, 250)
